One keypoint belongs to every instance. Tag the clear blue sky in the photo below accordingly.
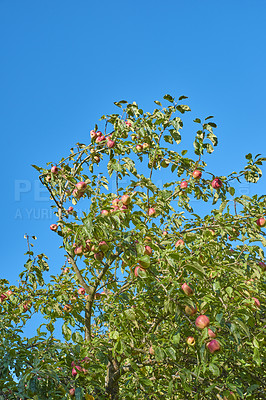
(64, 63)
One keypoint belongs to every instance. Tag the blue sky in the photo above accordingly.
(64, 63)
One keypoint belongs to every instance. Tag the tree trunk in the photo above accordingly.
(111, 382)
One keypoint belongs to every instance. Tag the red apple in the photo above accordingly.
(197, 174)
(104, 212)
(72, 391)
(217, 183)
(148, 250)
(165, 233)
(70, 209)
(110, 143)
(202, 321)
(137, 269)
(211, 333)
(81, 291)
(115, 202)
(151, 351)
(93, 134)
(9, 292)
(145, 146)
(54, 170)
(78, 251)
(151, 212)
(139, 147)
(213, 346)
(53, 227)
(187, 289)
(48, 178)
(67, 308)
(261, 222)
(99, 256)
(97, 296)
(74, 373)
(99, 133)
(3, 297)
(100, 139)
(191, 341)
(256, 302)
(125, 199)
(262, 265)
(81, 186)
(103, 246)
(183, 184)
(66, 270)
(190, 310)
(97, 159)
(128, 123)
(179, 243)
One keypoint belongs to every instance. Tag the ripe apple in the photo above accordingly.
(151, 351)
(213, 346)
(93, 134)
(48, 178)
(190, 310)
(183, 184)
(3, 297)
(202, 321)
(81, 186)
(148, 250)
(139, 147)
(99, 256)
(97, 296)
(74, 372)
(100, 139)
(256, 302)
(67, 308)
(211, 333)
(66, 270)
(54, 170)
(99, 133)
(217, 183)
(191, 341)
(197, 174)
(179, 243)
(72, 392)
(165, 233)
(53, 227)
(78, 250)
(81, 291)
(70, 209)
(145, 146)
(128, 123)
(115, 202)
(137, 269)
(97, 159)
(165, 163)
(103, 246)
(104, 212)
(151, 212)
(9, 292)
(261, 222)
(187, 289)
(262, 265)
(110, 143)
(126, 199)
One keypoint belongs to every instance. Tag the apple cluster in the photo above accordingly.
(202, 321)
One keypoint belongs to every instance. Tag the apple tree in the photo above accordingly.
(162, 291)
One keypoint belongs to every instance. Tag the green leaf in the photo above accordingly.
(171, 353)
(159, 354)
(168, 98)
(214, 369)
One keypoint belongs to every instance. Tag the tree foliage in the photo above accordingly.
(152, 240)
